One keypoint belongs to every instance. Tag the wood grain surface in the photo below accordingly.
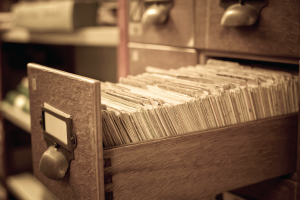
(277, 32)
(297, 174)
(178, 30)
(2, 133)
(80, 98)
(123, 64)
(205, 163)
(2, 152)
(274, 189)
(156, 57)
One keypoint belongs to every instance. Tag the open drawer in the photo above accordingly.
(189, 166)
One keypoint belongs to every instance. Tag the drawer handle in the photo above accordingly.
(60, 140)
(242, 13)
(54, 163)
(157, 13)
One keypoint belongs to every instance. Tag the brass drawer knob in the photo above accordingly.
(54, 163)
(157, 13)
(242, 13)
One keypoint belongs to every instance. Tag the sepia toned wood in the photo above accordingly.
(165, 57)
(200, 164)
(123, 65)
(206, 54)
(79, 97)
(177, 31)
(2, 152)
(201, 23)
(275, 189)
(213, 197)
(276, 33)
(298, 155)
(3, 158)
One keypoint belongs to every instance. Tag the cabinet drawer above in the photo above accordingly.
(277, 31)
(177, 31)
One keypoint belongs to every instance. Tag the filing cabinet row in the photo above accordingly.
(168, 57)
(197, 24)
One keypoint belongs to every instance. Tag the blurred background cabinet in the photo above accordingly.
(89, 51)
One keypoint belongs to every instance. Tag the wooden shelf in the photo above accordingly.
(26, 186)
(3, 194)
(16, 116)
(89, 36)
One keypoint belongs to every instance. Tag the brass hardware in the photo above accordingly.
(55, 161)
(244, 13)
(157, 12)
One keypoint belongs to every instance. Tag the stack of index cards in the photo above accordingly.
(162, 103)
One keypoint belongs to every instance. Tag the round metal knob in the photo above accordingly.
(156, 14)
(240, 15)
(54, 164)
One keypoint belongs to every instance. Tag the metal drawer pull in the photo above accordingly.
(157, 12)
(242, 13)
(60, 140)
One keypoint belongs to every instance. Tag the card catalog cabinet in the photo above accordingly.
(190, 166)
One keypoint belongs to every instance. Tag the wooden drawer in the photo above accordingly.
(277, 32)
(189, 166)
(142, 55)
(177, 31)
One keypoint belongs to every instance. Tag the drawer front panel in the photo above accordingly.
(79, 97)
(177, 31)
(164, 57)
(201, 164)
(277, 31)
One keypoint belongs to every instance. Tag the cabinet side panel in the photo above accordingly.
(298, 152)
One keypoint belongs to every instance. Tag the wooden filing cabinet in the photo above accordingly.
(190, 166)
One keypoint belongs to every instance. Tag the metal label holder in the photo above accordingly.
(71, 137)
